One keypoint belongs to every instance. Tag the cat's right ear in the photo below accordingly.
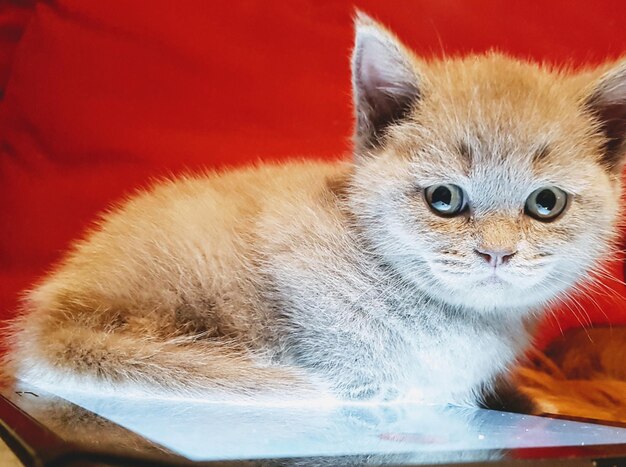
(608, 104)
(385, 85)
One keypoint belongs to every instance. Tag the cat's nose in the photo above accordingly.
(495, 257)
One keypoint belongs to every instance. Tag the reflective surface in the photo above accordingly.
(396, 433)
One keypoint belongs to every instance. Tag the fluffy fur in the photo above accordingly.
(336, 277)
(580, 375)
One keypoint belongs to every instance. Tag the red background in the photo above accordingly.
(101, 96)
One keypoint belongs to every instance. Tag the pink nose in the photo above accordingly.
(495, 257)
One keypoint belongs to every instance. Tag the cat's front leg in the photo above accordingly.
(372, 390)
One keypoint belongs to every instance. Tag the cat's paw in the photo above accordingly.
(372, 392)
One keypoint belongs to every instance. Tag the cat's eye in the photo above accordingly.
(446, 200)
(546, 204)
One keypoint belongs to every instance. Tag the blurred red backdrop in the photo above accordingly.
(100, 97)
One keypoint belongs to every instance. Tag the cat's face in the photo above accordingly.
(485, 181)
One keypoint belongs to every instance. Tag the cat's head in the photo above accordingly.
(490, 182)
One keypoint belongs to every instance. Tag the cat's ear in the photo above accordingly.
(607, 102)
(385, 84)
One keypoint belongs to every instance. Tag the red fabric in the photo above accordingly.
(104, 95)
(13, 18)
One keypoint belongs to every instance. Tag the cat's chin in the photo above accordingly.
(489, 293)
(503, 298)
(493, 281)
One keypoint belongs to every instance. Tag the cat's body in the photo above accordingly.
(234, 274)
(337, 277)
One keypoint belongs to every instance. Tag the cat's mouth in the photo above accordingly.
(493, 279)
(480, 279)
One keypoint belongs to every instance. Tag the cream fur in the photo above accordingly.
(336, 278)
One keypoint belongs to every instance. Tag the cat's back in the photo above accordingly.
(233, 195)
(205, 204)
(186, 238)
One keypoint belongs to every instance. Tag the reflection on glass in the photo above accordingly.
(393, 433)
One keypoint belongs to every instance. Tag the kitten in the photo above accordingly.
(481, 190)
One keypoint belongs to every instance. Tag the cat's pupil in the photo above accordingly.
(442, 198)
(546, 200)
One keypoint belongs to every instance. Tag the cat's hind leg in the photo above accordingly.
(101, 352)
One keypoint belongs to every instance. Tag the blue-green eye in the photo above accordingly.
(445, 199)
(546, 203)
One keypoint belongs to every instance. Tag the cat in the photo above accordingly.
(481, 189)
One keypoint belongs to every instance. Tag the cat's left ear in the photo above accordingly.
(608, 104)
(385, 84)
